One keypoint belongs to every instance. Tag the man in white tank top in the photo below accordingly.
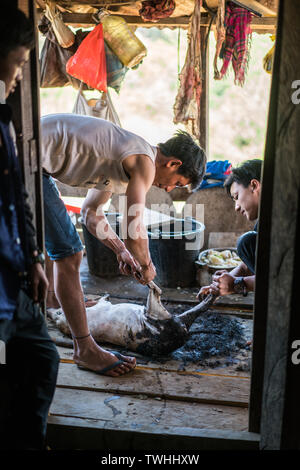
(89, 152)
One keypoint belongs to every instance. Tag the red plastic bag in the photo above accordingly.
(88, 64)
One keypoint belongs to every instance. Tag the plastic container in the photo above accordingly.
(102, 261)
(121, 39)
(174, 248)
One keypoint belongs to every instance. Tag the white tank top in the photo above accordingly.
(87, 152)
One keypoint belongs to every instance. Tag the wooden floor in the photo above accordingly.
(159, 405)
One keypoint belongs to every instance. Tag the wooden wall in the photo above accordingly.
(277, 321)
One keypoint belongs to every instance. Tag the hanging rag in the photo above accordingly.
(154, 10)
(220, 35)
(187, 103)
(237, 41)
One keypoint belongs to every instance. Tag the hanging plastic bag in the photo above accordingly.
(88, 64)
(53, 58)
(100, 107)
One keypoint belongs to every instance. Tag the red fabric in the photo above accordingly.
(229, 170)
(154, 10)
(238, 30)
(88, 64)
(74, 209)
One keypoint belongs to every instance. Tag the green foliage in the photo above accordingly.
(241, 141)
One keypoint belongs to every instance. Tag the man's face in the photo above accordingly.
(246, 200)
(169, 182)
(168, 178)
(11, 68)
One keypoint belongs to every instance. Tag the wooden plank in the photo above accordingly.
(172, 365)
(25, 107)
(187, 386)
(135, 411)
(280, 407)
(79, 433)
(263, 253)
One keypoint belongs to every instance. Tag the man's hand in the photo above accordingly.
(39, 283)
(127, 264)
(224, 282)
(222, 285)
(147, 274)
(206, 290)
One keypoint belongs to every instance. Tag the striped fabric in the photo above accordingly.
(236, 46)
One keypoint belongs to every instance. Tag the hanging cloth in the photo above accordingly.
(215, 174)
(220, 35)
(237, 42)
(154, 10)
(187, 103)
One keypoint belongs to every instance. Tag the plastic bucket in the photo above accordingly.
(174, 248)
(102, 261)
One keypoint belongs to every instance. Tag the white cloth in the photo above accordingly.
(87, 152)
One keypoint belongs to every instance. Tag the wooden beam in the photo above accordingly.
(73, 433)
(183, 21)
(78, 433)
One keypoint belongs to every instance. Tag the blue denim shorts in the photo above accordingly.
(61, 237)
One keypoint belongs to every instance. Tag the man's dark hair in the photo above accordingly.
(184, 147)
(16, 29)
(244, 173)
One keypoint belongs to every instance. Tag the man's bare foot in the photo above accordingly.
(89, 355)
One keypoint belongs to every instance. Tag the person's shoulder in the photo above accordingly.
(139, 164)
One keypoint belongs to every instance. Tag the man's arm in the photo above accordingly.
(142, 172)
(96, 222)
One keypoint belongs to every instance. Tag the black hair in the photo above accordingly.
(16, 30)
(244, 173)
(185, 148)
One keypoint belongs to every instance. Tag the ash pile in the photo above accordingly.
(216, 340)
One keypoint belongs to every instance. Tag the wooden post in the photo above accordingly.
(263, 252)
(26, 118)
(204, 109)
(280, 413)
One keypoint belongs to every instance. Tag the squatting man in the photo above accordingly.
(244, 187)
(93, 153)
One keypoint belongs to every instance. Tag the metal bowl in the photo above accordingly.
(206, 271)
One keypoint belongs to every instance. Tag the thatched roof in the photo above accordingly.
(80, 12)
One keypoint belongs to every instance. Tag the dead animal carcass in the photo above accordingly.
(149, 330)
